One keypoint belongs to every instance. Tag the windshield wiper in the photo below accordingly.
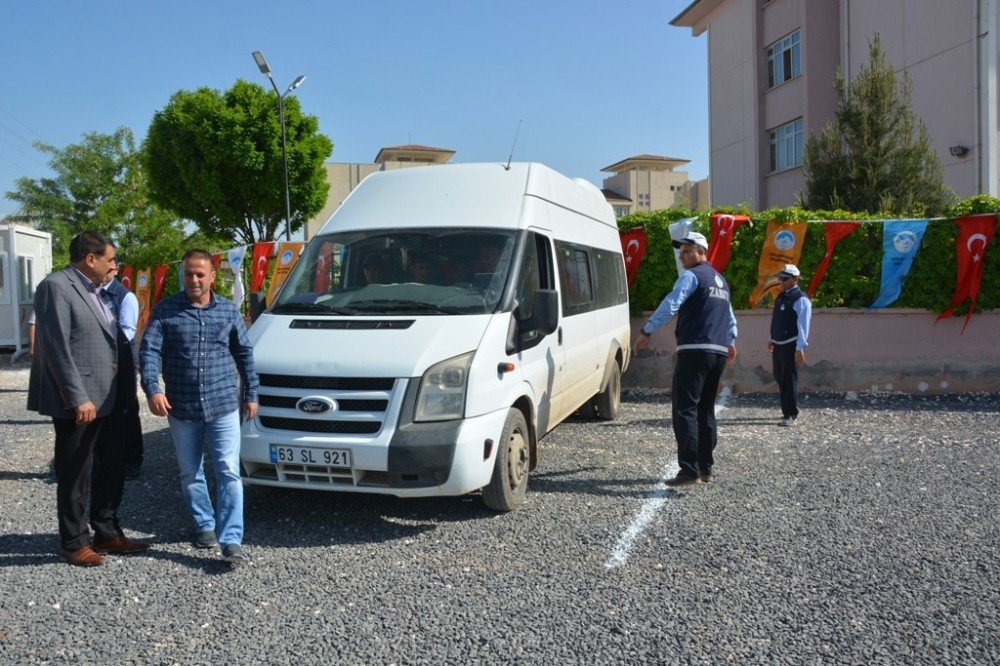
(308, 308)
(398, 305)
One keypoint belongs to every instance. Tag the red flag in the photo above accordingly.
(835, 231)
(723, 226)
(159, 280)
(321, 279)
(216, 261)
(974, 235)
(127, 277)
(261, 256)
(634, 249)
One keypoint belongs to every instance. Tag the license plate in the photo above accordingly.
(301, 455)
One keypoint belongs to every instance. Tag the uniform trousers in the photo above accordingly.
(786, 373)
(695, 384)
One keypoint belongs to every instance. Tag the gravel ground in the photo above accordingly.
(865, 534)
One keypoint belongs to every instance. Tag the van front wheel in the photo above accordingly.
(609, 401)
(509, 484)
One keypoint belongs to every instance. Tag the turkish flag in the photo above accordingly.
(723, 226)
(974, 235)
(127, 277)
(634, 249)
(835, 231)
(159, 280)
(261, 256)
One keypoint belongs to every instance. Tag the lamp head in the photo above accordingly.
(261, 63)
(297, 82)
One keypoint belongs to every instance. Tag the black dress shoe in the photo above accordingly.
(682, 479)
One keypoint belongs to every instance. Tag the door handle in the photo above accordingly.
(560, 335)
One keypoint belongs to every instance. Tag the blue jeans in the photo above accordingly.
(223, 437)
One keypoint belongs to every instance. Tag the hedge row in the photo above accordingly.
(853, 277)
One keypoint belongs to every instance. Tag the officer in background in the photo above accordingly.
(789, 339)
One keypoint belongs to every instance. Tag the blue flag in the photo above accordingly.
(900, 242)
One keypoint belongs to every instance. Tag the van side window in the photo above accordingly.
(535, 273)
(610, 272)
(574, 275)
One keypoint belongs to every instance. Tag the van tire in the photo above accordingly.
(609, 401)
(509, 485)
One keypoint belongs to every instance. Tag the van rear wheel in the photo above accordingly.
(509, 483)
(609, 401)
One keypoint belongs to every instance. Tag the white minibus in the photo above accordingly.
(443, 321)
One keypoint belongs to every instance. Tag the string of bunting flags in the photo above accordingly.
(149, 284)
(783, 245)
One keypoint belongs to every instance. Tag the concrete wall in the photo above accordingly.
(852, 350)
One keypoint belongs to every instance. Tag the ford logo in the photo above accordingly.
(316, 405)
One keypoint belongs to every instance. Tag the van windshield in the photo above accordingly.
(437, 271)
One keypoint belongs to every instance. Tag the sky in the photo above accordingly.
(590, 82)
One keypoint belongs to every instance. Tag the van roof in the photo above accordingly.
(480, 195)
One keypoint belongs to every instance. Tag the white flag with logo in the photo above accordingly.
(679, 230)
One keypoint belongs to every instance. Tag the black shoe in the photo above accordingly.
(682, 479)
(706, 478)
(233, 555)
(206, 539)
(132, 471)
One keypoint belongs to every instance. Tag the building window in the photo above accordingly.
(786, 146)
(26, 278)
(784, 60)
(644, 201)
(621, 211)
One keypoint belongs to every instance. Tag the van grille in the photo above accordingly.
(319, 425)
(329, 383)
(287, 402)
(362, 403)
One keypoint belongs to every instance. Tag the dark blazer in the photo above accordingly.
(75, 350)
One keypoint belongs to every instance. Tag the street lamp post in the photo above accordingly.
(266, 71)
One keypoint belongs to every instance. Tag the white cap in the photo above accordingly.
(790, 270)
(693, 238)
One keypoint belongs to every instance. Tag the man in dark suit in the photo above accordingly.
(74, 379)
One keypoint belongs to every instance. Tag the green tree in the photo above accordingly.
(99, 185)
(875, 155)
(215, 158)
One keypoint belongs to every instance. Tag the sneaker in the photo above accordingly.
(682, 479)
(788, 421)
(206, 539)
(233, 554)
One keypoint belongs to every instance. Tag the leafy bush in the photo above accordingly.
(853, 277)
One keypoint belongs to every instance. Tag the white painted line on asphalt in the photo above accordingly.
(653, 503)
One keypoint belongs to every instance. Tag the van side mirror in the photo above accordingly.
(546, 311)
(529, 332)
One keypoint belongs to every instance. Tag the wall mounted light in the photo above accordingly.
(959, 150)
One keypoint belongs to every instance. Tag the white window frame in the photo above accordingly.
(25, 282)
(785, 146)
(5, 289)
(784, 60)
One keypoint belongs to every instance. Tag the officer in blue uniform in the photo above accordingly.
(789, 339)
(706, 331)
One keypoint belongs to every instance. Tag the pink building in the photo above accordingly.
(771, 65)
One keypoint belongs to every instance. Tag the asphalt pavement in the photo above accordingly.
(867, 533)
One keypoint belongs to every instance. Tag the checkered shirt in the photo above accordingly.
(196, 348)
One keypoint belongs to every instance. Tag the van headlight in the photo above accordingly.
(442, 390)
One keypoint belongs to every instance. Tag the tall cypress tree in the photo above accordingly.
(875, 155)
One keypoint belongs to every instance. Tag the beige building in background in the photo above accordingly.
(344, 177)
(771, 65)
(649, 182)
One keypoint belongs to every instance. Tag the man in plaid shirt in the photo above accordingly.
(195, 336)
